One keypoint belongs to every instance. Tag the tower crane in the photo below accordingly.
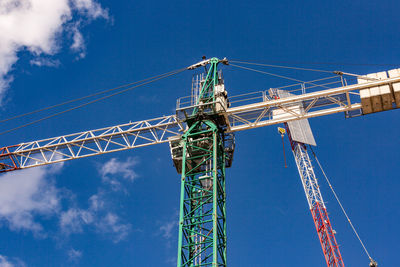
(202, 144)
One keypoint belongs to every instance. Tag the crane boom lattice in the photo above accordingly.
(89, 143)
(316, 203)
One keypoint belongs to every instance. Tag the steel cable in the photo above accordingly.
(325, 63)
(279, 76)
(84, 97)
(93, 101)
(341, 206)
(279, 66)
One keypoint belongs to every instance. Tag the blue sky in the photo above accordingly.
(121, 209)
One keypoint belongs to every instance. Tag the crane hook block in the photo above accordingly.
(373, 263)
(282, 131)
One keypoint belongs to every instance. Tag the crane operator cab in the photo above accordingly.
(209, 97)
(221, 101)
(221, 98)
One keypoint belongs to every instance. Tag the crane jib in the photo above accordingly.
(158, 130)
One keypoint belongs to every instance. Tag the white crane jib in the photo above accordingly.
(245, 112)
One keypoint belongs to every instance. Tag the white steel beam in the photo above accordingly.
(336, 100)
(290, 117)
(94, 142)
(313, 95)
(158, 130)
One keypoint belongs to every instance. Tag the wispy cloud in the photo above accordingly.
(13, 262)
(78, 43)
(43, 61)
(73, 220)
(97, 217)
(90, 8)
(74, 255)
(28, 197)
(27, 194)
(38, 27)
(116, 167)
(110, 224)
(168, 230)
(113, 169)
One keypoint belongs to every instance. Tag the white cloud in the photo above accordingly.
(167, 228)
(96, 202)
(26, 194)
(74, 255)
(42, 61)
(167, 231)
(93, 9)
(37, 27)
(72, 220)
(114, 168)
(29, 196)
(15, 262)
(78, 44)
(108, 223)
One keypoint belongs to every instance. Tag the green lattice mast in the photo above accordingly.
(201, 157)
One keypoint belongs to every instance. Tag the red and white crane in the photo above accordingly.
(316, 203)
(372, 93)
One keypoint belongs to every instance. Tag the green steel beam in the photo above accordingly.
(202, 221)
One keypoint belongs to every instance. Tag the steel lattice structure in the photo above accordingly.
(258, 113)
(316, 204)
(202, 222)
(202, 145)
(89, 143)
(201, 157)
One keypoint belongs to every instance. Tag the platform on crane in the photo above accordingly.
(202, 143)
(214, 107)
(193, 108)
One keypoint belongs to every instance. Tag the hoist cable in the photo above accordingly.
(91, 102)
(85, 97)
(340, 204)
(277, 75)
(283, 147)
(323, 63)
(268, 73)
(279, 66)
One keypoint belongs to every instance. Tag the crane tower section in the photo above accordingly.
(201, 156)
